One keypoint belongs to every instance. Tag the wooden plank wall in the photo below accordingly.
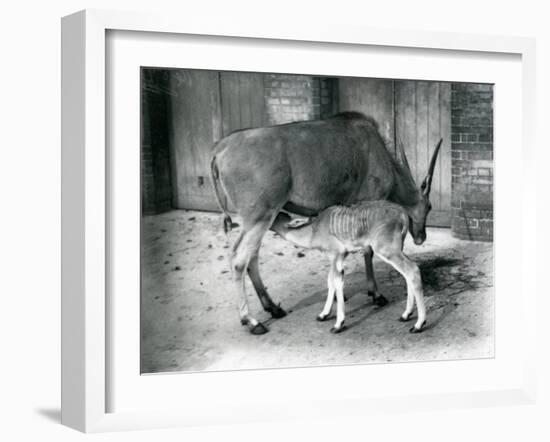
(372, 97)
(242, 100)
(418, 113)
(422, 117)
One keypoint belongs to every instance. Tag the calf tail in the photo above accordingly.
(227, 222)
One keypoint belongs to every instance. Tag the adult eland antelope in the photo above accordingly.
(339, 230)
(303, 168)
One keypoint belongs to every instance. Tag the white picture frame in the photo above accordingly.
(86, 203)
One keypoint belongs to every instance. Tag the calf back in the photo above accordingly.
(361, 223)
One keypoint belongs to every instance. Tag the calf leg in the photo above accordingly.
(411, 273)
(410, 305)
(372, 288)
(330, 296)
(338, 281)
(267, 303)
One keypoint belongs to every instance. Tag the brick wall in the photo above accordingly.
(472, 161)
(291, 98)
(147, 179)
(156, 190)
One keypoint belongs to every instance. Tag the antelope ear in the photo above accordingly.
(423, 185)
(426, 185)
(402, 156)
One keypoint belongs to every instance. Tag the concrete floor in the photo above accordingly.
(190, 318)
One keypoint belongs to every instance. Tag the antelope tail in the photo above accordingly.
(405, 229)
(227, 222)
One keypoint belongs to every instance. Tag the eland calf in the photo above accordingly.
(340, 230)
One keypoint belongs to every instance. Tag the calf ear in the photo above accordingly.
(296, 223)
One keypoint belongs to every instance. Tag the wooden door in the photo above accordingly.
(195, 126)
(422, 117)
(206, 106)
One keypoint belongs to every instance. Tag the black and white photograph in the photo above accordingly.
(302, 220)
(292, 219)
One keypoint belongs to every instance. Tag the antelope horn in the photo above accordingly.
(427, 183)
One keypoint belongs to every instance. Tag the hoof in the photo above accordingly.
(338, 330)
(418, 330)
(407, 319)
(258, 329)
(380, 301)
(321, 318)
(277, 312)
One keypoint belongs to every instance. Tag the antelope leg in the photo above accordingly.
(244, 249)
(267, 303)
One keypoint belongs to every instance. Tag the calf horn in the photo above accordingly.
(427, 183)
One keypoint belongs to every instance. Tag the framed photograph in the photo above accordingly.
(259, 221)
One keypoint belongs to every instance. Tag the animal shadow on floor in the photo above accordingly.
(432, 267)
(444, 278)
(317, 297)
(363, 311)
(320, 296)
(352, 290)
